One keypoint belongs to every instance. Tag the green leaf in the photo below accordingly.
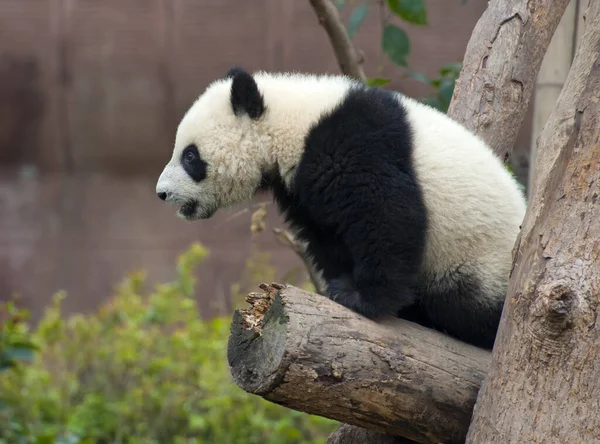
(19, 351)
(452, 68)
(357, 17)
(413, 11)
(446, 90)
(6, 364)
(434, 102)
(419, 76)
(395, 44)
(377, 81)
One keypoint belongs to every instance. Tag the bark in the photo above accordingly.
(500, 67)
(348, 58)
(349, 434)
(544, 383)
(303, 351)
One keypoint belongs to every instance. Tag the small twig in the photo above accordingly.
(286, 238)
(348, 57)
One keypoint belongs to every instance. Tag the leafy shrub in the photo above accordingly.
(143, 369)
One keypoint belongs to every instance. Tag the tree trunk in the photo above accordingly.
(544, 382)
(501, 63)
(313, 355)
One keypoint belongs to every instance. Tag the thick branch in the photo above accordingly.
(501, 63)
(543, 383)
(392, 376)
(346, 54)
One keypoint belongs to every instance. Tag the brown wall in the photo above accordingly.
(90, 95)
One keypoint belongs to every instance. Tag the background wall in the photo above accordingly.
(90, 96)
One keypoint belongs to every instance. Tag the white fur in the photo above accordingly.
(475, 207)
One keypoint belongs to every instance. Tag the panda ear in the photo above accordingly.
(245, 96)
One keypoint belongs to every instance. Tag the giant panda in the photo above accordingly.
(403, 211)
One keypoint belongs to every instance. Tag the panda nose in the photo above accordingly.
(162, 195)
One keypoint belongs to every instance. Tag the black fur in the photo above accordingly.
(452, 306)
(245, 96)
(193, 164)
(357, 202)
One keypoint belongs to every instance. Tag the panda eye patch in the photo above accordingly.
(193, 164)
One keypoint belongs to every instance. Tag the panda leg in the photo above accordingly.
(386, 245)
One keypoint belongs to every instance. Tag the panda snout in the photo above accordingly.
(162, 195)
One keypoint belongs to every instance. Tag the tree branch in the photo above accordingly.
(501, 63)
(308, 353)
(346, 54)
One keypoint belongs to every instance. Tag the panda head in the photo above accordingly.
(219, 155)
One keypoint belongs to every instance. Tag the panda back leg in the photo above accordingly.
(461, 306)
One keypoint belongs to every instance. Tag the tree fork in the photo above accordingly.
(502, 60)
(543, 383)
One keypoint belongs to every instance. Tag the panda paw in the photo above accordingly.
(377, 302)
(343, 291)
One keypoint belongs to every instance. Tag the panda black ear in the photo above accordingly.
(245, 96)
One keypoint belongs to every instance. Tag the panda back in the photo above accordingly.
(474, 205)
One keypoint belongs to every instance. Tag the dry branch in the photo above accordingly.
(303, 351)
(500, 67)
(346, 54)
(289, 240)
(543, 382)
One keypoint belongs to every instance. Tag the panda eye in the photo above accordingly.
(190, 156)
(193, 164)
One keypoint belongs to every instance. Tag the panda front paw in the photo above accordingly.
(375, 302)
(343, 291)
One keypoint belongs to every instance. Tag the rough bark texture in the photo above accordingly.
(500, 67)
(394, 377)
(544, 384)
(349, 434)
(346, 54)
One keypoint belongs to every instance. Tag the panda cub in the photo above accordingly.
(403, 210)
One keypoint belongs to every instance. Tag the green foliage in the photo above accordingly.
(144, 368)
(395, 44)
(357, 17)
(15, 345)
(443, 85)
(377, 81)
(412, 11)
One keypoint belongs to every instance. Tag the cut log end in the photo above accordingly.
(255, 357)
(253, 317)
